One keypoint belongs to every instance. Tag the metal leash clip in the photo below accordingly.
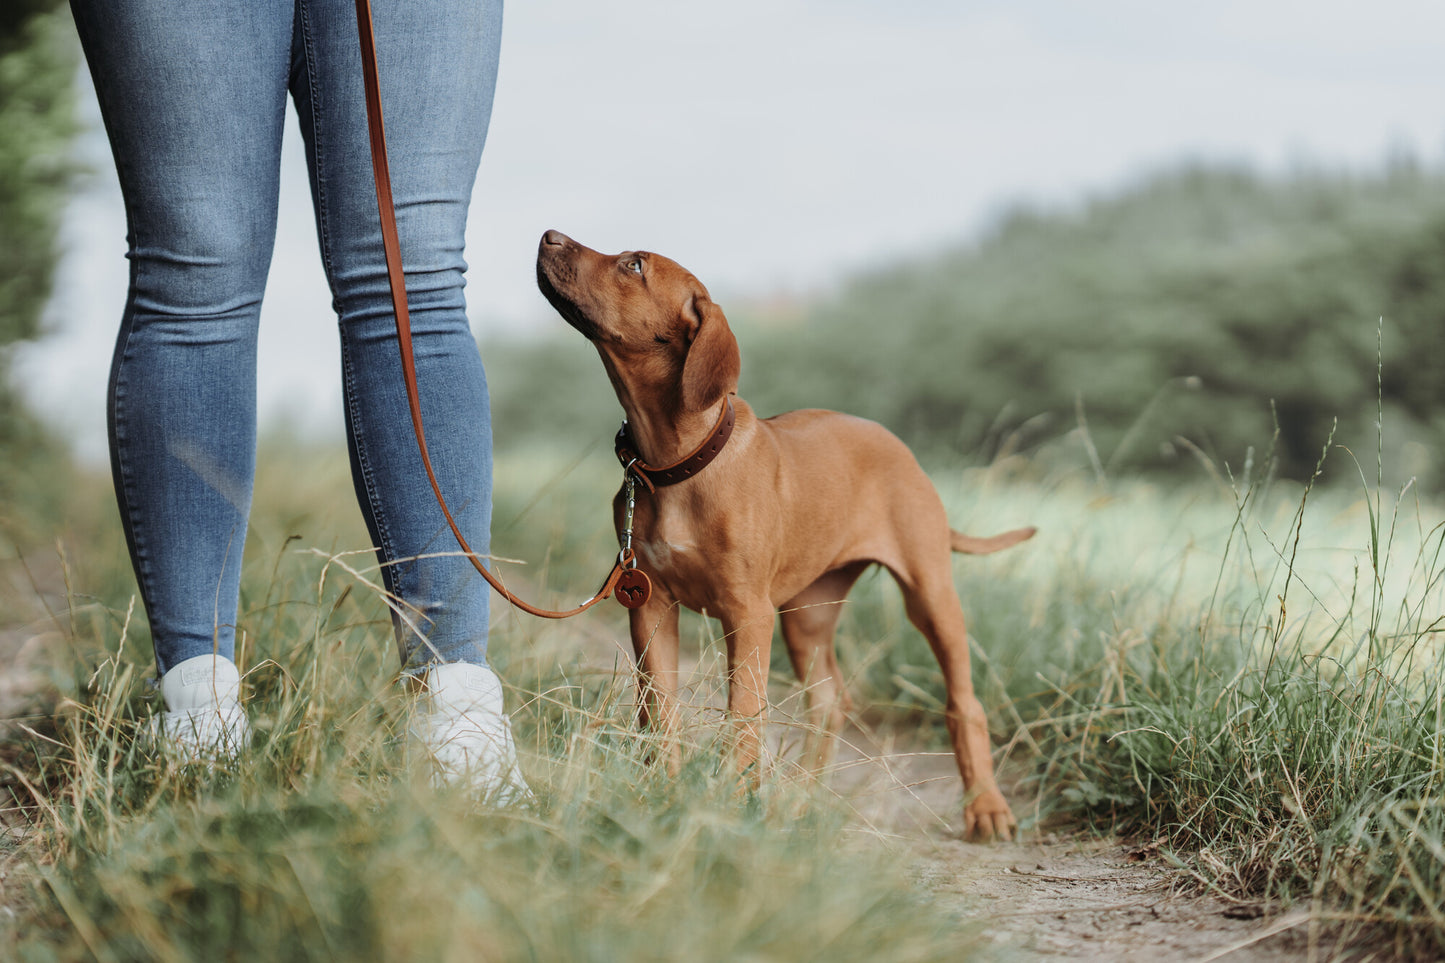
(630, 483)
(633, 587)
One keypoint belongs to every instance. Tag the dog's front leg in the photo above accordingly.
(749, 640)
(654, 642)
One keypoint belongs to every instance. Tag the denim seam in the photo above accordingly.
(125, 487)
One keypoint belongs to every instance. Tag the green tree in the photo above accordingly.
(38, 57)
(1201, 304)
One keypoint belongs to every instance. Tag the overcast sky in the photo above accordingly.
(773, 145)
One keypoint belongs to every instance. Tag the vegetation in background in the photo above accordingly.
(1188, 305)
(1193, 310)
(37, 67)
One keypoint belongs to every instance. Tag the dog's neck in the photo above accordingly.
(665, 437)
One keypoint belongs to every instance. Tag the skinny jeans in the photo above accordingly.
(193, 96)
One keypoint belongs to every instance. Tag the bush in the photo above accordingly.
(1189, 305)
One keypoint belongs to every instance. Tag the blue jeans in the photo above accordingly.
(193, 94)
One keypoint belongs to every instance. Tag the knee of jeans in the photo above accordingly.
(202, 263)
(432, 242)
(435, 301)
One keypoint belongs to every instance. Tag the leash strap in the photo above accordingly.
(397, 278)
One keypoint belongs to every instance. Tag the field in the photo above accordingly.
(1240, 675)
(1215, 693)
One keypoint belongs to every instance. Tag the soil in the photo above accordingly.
(1052, 896)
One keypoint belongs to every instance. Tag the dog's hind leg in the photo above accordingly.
(809, 621)
(933, 607)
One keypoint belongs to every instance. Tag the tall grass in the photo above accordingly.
(1256, 686)
(1244, 671)
(1286, 744)
(327, 840)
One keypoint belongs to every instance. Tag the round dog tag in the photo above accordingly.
(633, 588)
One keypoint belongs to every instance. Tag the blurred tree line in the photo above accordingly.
(1190, 312)
(38, 58)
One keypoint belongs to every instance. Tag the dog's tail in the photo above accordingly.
(971, 545)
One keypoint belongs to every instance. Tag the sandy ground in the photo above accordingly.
(1052, 896)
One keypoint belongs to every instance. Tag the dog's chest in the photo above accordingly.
(685, 544)
(668, 537)
(668, 555)
(678, 553)
(685, 567)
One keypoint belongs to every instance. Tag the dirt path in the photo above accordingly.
(1088, 900)
(1049, 897)
(30, 597)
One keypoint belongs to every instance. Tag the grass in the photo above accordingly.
(324, 843)
(1246, 672)
(328, 841)
(1259, 692)
(1286, 745)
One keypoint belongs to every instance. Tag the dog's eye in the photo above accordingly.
(635, 265)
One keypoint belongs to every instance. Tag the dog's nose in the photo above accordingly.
(554, 238)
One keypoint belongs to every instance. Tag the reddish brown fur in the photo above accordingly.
(786, 518)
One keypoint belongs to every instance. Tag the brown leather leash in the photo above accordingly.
(631, 584)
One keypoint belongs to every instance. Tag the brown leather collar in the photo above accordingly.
(655, 478)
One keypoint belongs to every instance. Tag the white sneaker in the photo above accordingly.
(204, 719)
(459, 722)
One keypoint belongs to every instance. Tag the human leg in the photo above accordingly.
(193, 98)
(438, 69)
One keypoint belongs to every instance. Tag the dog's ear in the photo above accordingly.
(713, 364)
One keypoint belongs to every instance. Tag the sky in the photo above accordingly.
(775, 146)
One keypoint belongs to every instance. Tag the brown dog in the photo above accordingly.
(787, 515)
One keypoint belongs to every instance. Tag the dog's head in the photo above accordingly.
(654, 324)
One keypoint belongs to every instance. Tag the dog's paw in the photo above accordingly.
(988, 818)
